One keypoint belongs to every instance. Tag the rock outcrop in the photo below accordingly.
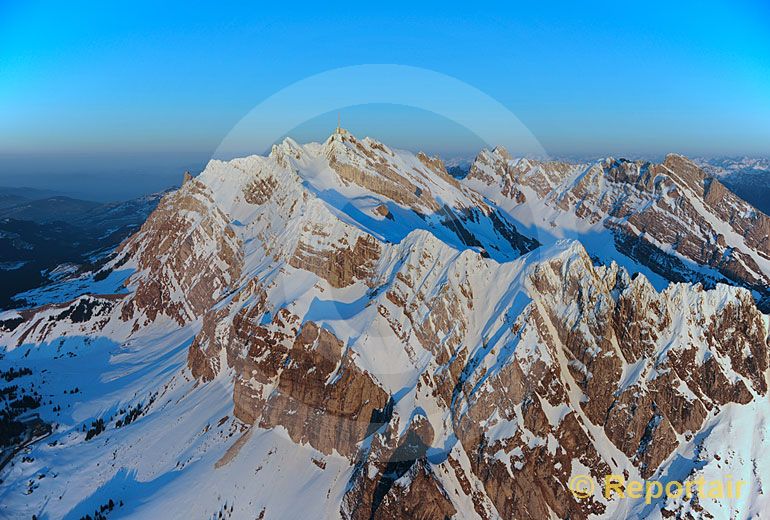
(343, 330)
(671, 217)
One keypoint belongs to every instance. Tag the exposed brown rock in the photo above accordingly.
(260, 190)
(341, 265)
(321, 398)
(642, 420)
(383, 210)
(647, 204)
(416, 495)
(187, 256)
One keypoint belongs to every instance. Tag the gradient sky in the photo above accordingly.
(597, 78)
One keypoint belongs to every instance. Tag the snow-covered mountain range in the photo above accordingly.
(748, 177)
(343, 330)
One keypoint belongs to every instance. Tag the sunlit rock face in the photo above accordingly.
(670, 217)
(343, 330)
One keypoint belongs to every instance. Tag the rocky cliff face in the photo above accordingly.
(346, 329)
(670, 217)
(186, 256)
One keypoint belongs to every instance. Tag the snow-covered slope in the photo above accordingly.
(670, 221)
(342, 330)
(749, 177)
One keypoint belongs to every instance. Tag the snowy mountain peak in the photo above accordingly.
(669, 220)
(350, 327)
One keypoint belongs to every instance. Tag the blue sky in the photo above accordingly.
(584, 77)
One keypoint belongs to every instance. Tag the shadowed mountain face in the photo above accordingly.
(343, 330)
(671, 218)
(747, 177)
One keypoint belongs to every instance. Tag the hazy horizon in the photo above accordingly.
(109, 103)
(174, 79)
(113, 175)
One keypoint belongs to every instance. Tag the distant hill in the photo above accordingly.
(13, 196)
(28, 193)
(58, 208)
(51, 237)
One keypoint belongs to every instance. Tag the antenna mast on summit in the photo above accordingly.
(338, 122)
